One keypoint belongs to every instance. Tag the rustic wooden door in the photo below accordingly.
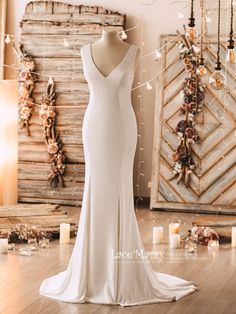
(213, 183)
(44, 28)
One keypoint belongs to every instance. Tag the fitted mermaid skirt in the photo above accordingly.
(108, 264)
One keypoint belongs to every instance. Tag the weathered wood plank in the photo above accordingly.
(36, 171)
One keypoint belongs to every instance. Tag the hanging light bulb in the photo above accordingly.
(123, 34)
(157, 55)
(8, 39)
(218, 80)
(148, 86)
(231, 58)
(66, 42)
(191, 32)
(201, 70)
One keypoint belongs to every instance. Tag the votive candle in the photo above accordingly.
(3, 246)
(157, 235)
(174, 240)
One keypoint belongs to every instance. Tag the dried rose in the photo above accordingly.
(24, 74)
(25, 111)
(52, 148)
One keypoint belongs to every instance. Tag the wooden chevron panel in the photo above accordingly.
(213, 184)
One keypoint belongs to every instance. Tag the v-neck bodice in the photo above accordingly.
(122, 71)
(115, 67)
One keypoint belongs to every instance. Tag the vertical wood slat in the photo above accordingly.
(213, 183)
(44, 27)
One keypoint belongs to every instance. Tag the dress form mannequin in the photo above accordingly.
(109, 50)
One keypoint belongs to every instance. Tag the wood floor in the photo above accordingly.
(213, 273)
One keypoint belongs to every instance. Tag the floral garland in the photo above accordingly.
(27, 79)
(193, 96)
(47, 115)
(24, 232)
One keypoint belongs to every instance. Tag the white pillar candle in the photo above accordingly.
(233, 237)
(64, 233)
(3, 246)
(174, 228)
(157, 235)
(174, 240)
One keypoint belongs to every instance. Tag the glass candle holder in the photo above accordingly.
(32, 244)
(26, 251)
(213, 245)
(174, 225)
(44, 243)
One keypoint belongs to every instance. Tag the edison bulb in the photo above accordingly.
(201, 70)
(217, 80)
(191, 33)
(231, 58)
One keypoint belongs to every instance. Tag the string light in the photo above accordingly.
(208, 18)
(158, 55)
(8, 39)
(123, 35)
(66, 42)
(50, 80)
(180, 14)
(148, 86)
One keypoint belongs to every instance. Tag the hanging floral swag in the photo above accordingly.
(193, 99)
(27, 79)
(47, 115)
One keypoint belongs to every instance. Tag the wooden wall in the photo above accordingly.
(44, 27)
(213, 183)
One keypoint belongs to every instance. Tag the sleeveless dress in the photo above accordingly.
(108, 263)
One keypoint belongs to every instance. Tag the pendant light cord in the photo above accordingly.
(218, 67)
(202, 26)
(231, 21)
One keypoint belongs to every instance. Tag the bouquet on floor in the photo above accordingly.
(202, 235)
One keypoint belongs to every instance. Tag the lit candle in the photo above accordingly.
(174, 240)
(174, 228)
(157, 235)
(3, 246)
(233, 238)
(8, 141)
(64, 233)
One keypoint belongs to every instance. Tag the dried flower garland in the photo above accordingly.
(47, 115)
(27, 79)
(193, 98)
(202, 235)
(24, 232)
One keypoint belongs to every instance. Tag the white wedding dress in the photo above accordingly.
(108, 227)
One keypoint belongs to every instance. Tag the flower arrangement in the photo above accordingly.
(193, 98)
(202, 235)
(24, 232)
(47, 115)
